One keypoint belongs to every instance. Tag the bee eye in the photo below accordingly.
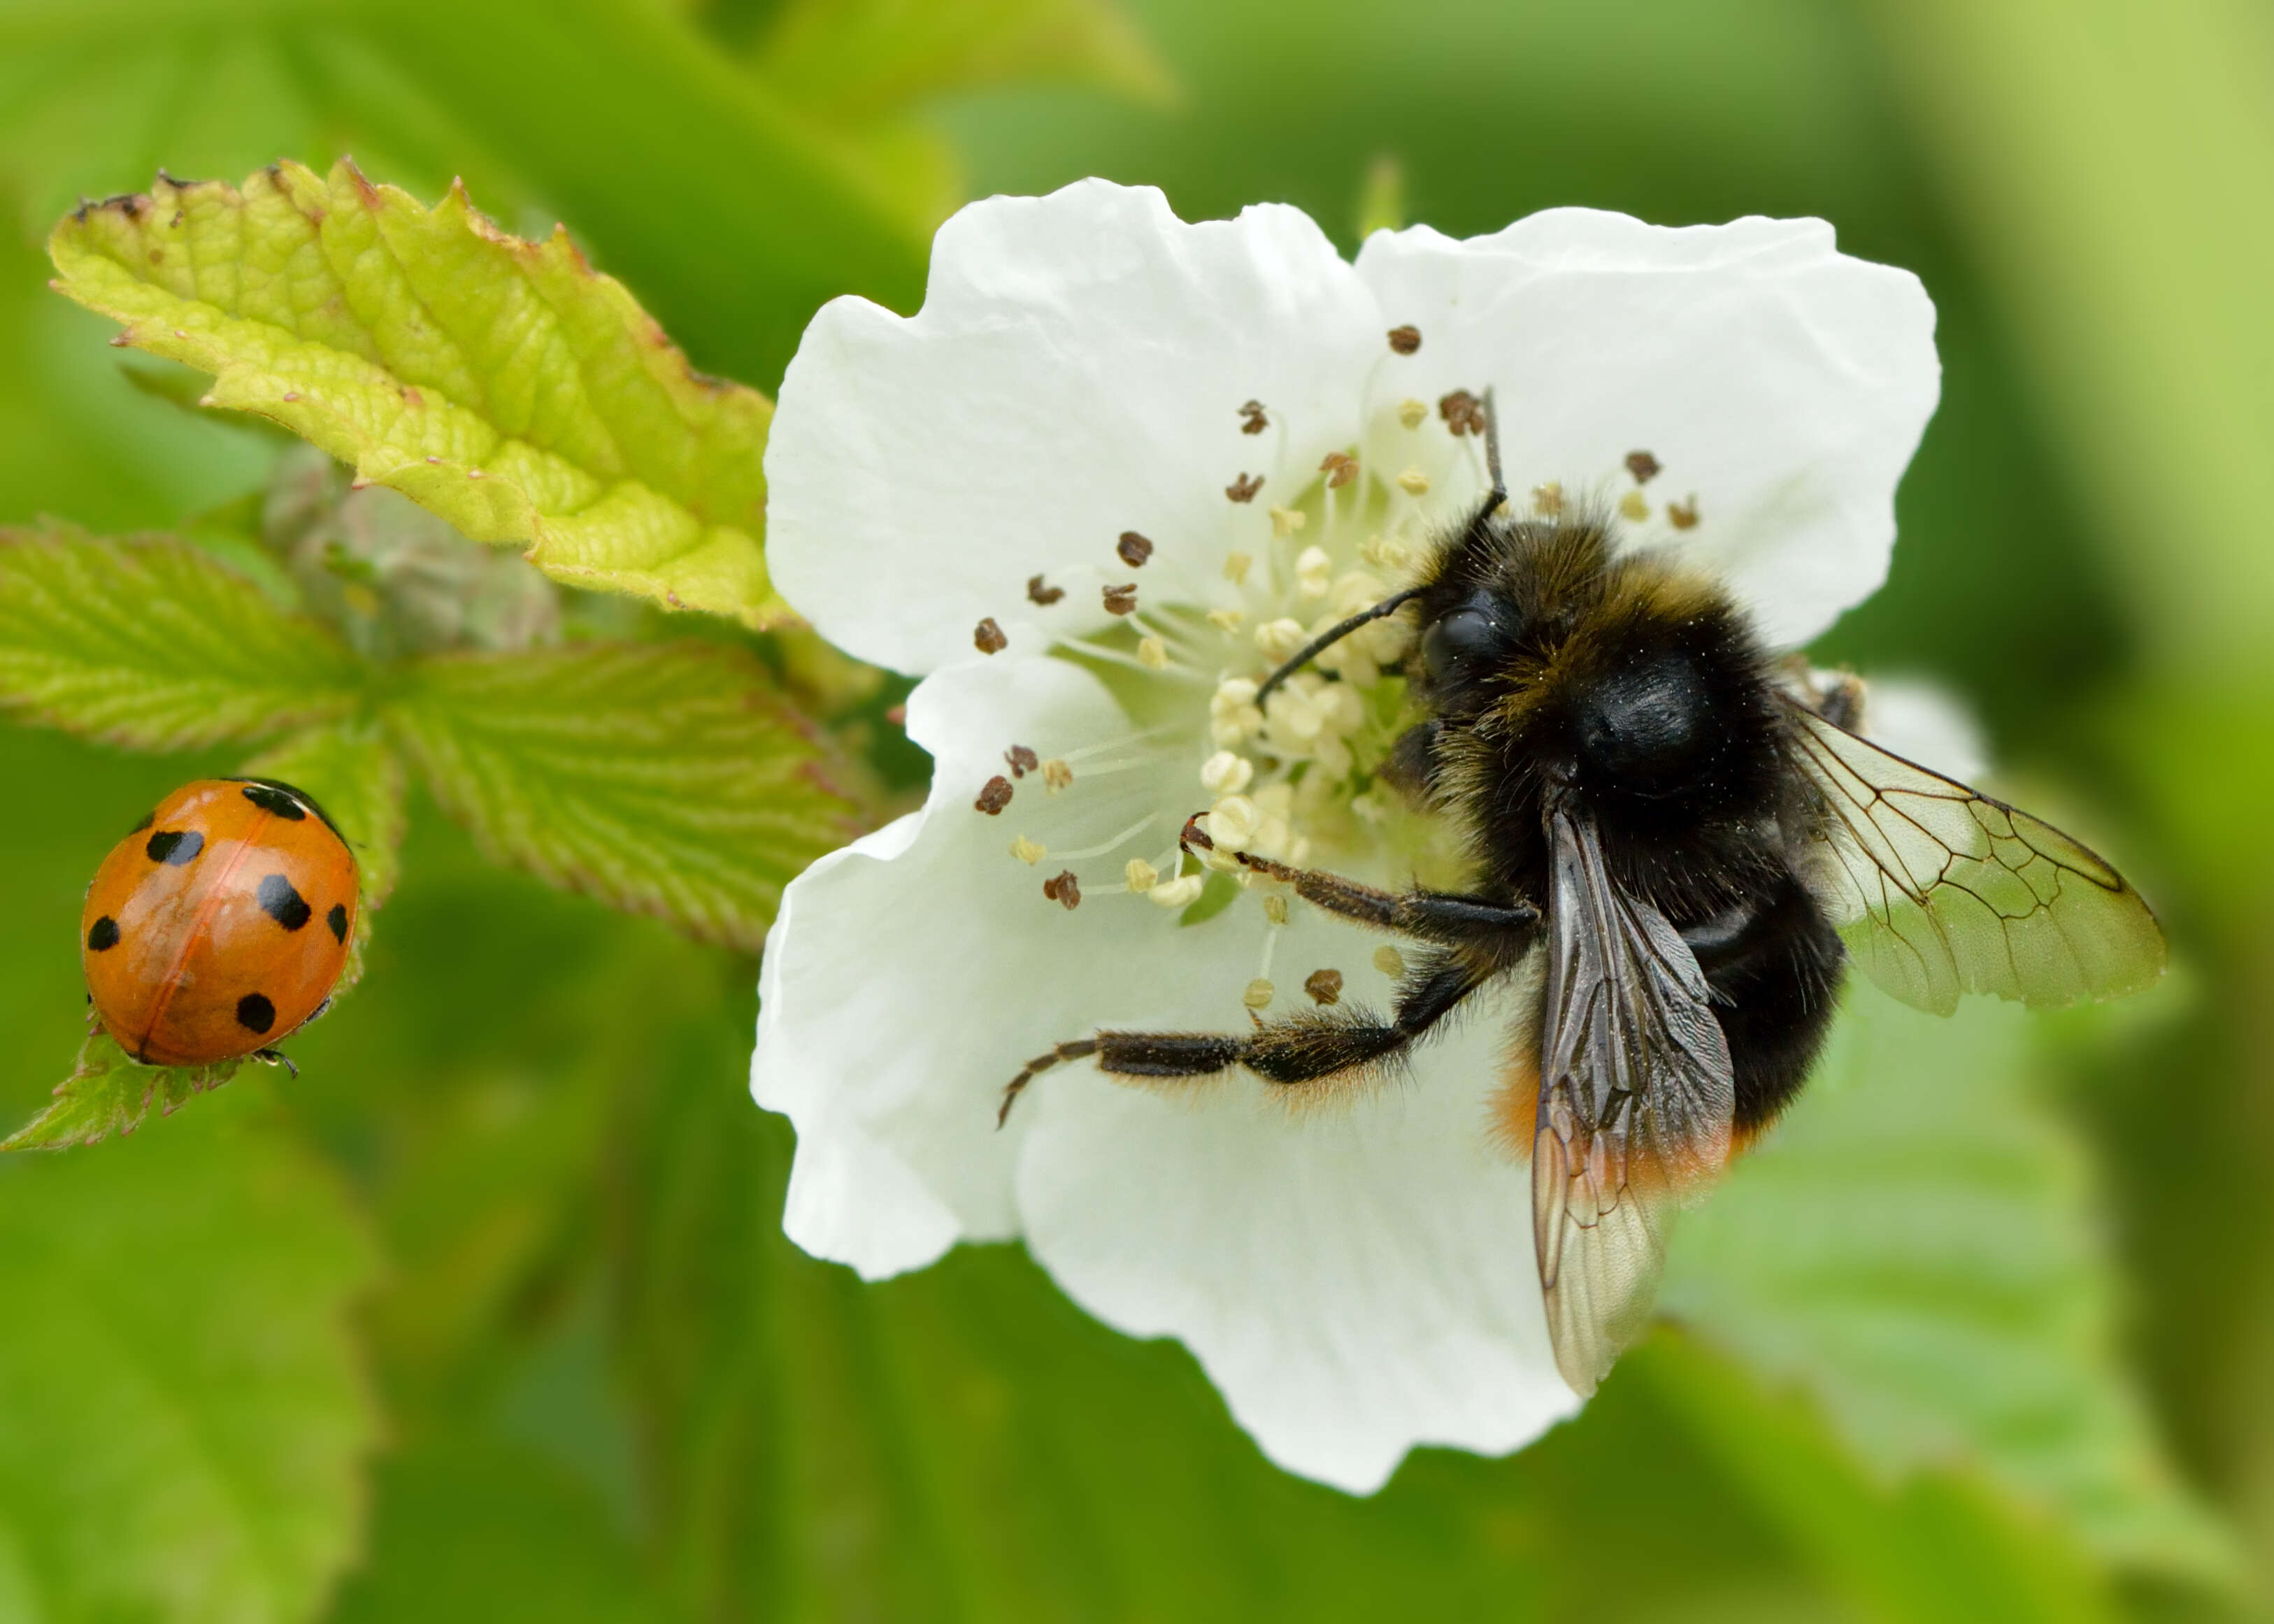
(1461, 645)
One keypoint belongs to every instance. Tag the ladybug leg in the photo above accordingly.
(277, 1056)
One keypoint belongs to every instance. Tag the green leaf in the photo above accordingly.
(109, 1092)
(1915, 1248)
(503, 384)
(187, 1418)
(153, 644)
(356, 775)
(663, 780)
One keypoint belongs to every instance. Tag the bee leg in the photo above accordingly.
(1449, 918)
(1310, 1047)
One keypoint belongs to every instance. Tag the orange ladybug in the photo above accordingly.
(220, 924)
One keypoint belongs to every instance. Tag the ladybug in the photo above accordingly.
(220, 924)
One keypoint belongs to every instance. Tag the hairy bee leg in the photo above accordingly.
(1304, 1048)
(1444, 917)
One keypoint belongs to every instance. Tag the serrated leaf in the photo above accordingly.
(1915, 1249)
(186, 1416)
(357, 776)
(503, 384)
(109, 1092)
(153, 644)
(664, 779)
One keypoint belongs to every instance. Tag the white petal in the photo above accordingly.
(1783, 383)
(1922, 721)
(1356, 1278)
(909, 975)
(1077, 371)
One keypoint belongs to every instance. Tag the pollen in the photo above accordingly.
(1224, 773)
(1153, 654)
(1258, 994)
(1313, 573)
(1275, 908)
(1056, 775)
(1236, 565)
(1389, 961)
(1232, 713)
(1286, 520)
(1227, 620)
(1029, 852)
(1176, 895)
(1141, 876)
(1632, 505)
(1232, 822)
(1413, 482)
(1413, 413)
(1279, 639)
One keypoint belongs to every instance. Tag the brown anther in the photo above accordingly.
(1643, 466)
(987, 637)
(1121, 599)
(1340, 467)
(1066, 891)
(1684, 515)
(1244, 488)
(1251, 420)
(1463, 412)
(1040, 593)
(1406, 340)
(1023, 761)
(1325, 986)
(1133, 549)
(994, 796)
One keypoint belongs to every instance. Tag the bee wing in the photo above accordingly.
(1942, 889)
(1636, 1103)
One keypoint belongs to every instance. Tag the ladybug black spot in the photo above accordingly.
(175, 846)
(283, 903)
(337, 919)
(102, 935)
(271, 798)
(255, 1013)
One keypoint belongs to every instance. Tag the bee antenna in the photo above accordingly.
(1333, 635)
(1492, 452)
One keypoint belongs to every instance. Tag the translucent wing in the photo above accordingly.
(1636, 1103)
(1943, 891)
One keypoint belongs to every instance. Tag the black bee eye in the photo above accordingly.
(1461, 646)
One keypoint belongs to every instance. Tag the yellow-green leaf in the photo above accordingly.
(109, 1092)
(663, 779)
(155, 645)
(504, 384)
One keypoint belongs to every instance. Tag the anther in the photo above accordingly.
(1340, 467)
(1225, 773)
(1684, 515)
(1066, 891)
(1286, 520)
(1121, 599)
(1643, 466)
(1040, 593)
(1413, 413)
(1251, 420)
(1547, 499)
(1134, 548)
(1236, 565)
(994, 796)
(1177, 894)
(1029, 852)
(1313, 572)
(1275, 908)
(1324, 986)
(1279, 639)
(1244, 488)
(1389, 961)
(1229, 620)
(1022, 759)
(987, 637)
(1232, 820)
(1152, 654)
(1406, 340)
(1463, 412)
(1413, 482)
(1141, 876)
(1632, 505)
(1056, 775)
(1258, 994)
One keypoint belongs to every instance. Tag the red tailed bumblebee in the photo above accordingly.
(1697, 838)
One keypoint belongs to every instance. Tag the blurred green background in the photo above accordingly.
(488, 1315)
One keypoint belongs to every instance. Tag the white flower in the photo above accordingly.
(1232, 419)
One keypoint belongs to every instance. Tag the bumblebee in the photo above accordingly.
(1697, 839)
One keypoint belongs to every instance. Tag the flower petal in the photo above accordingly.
(1779, 382)
(1077, 371)
(1356, 1278)
(908, 976)
(1922, 721)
